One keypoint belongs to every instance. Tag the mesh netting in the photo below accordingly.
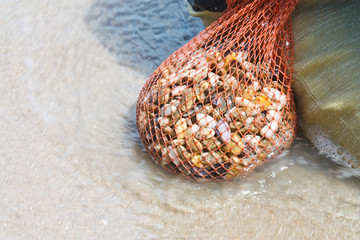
(222, 104)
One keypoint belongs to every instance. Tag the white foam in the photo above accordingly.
(335, 152)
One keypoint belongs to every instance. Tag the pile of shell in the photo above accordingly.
(214, 117)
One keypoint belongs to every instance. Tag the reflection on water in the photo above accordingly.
(298, 195)
(142, 33)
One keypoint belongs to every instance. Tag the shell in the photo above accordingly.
(205, 121)
(205, 133)
(249, 121)
(164, 96)
(235, 114)
(269, 129)
(223, 131)
(262, 102)
(209, 158)
(211, 143)
(183, 153)
(187, 100)
(163, 121)
(241, 56)
(167, 110)
(214, 79)
(192, 142)
(180, 128)
(195, 159)
(178, 90)
(255, 86)
(252, 140)
(177, 142)
(277, 95)
(232, 147)
(243, 102)
(274, 115)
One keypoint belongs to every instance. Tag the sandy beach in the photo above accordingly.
(73, 166)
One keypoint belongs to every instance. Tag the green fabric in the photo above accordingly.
(327, 68)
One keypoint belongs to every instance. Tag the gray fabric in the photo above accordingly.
(327, 68)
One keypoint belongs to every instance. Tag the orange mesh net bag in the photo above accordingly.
(222, 104)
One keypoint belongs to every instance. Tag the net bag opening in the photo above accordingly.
(222, 104)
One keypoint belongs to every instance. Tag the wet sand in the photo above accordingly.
(72, 163)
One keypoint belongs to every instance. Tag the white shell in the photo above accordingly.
(172, 152)
(252, 140)
(228, 113)
(241, 56)
(175, 103)
(269, 129)
(243, 102)
(205, 133)
(245, 161)
(178, 90)
(194, 128)
(167, 110)
(274, 115)
(250, 76)
(255, 86)
(248, 66)
(190, 73)
(202, 71)
(205, 120)
(173, 78)
(276, 94)
(188, 66)
(213, 78)
(163, 121)
(223, 130)
(249, 121)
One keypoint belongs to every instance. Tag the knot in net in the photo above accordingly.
(222, 104)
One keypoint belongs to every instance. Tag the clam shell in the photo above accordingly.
(277, 95)
(195, 159)
(255, 86)
(183, 153)
(187, 100)
(178, 90)
(172, 155)
(177, 142)
(223, 131)
(234, 148)
(211, 143)
(163, 121)
(174, 78)
(235, 114)
(241, 56)
(167, 110)
(269, 129)
(205, 133)
(249, 121)
(180, 128)
(214, 79)
(274, 115)
(194, 128)
(243, 102)
(192, 142)
(164, 96)
(205, 121)
(252, 140)
(210, 157)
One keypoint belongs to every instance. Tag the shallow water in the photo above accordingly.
(72, 75)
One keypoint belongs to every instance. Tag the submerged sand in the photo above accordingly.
(72, 163)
